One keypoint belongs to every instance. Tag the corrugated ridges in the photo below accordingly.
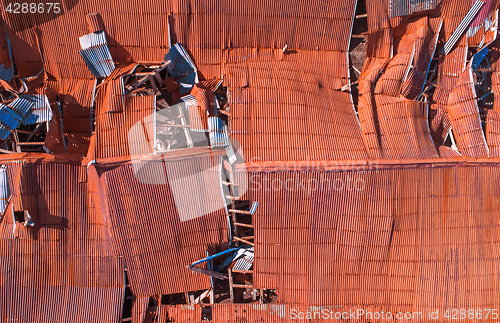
(293, 109)
(147, 224)
(145, 37)
(412, 237)
(393, 123)
(450, 68)
(493, 117)
(180, 313)
(40, 111)
(408, 7)
(464, 117)
(59, 270)
(116, 116)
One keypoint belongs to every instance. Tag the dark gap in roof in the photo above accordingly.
(19, 216)
(357, 48)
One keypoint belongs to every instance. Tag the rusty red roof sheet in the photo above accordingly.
(146, 220)
(292, 110)
(464, 117)
(359, 245)
(180, 313)
(63, 261)
(393, 123)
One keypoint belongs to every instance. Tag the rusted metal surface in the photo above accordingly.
(293, 110)
(393, 123)
(464, 117)
(180, 313)
(63, 261)
(146, 221)
(358, 245)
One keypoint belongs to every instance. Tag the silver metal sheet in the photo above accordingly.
(399, 8)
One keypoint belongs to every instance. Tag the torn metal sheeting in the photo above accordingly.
(479, 57)
(6, 74)
(12, 115)
(4, 189)
(218, 132)
(40, 112)
(95, 52)
(222, 253)
(182, 64)
(399, 8)
(207, 272)
(182, 68)
(245, 260)
(462, 26)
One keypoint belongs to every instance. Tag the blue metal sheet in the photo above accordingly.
(20, 106)
(218, 132)
(95, 53)
(12, 115)
(40, 111)
(187, 82)
(4, 132)
(93, 39)
(479, 57)
(182, 64)
(8, 118)
(6, 74)
(4, 189)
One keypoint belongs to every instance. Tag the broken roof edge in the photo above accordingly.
(362, 165)
(174, 155)
(42, 157)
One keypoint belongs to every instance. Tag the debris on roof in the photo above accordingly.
(4, 190)
(182, 68)
(95, 53)
(399, 8)
(140, 176)
(6, 74)
(462, 26)
(40, 111)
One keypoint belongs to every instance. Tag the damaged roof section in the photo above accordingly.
(95, 53)
(64, 260)
(184, 214)
(180, 66)
(399, 8)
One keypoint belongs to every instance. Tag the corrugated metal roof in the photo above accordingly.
(4, 189)
(6, 74)
(408, 7)
(180, 313)
(292, 109)
(182, 68)
(40, 111)
(406, 234)
(464, 117)
(95, 53)
(173, 228)
(393, 123)
(94, 22)
(476, 6)
(64, 261)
